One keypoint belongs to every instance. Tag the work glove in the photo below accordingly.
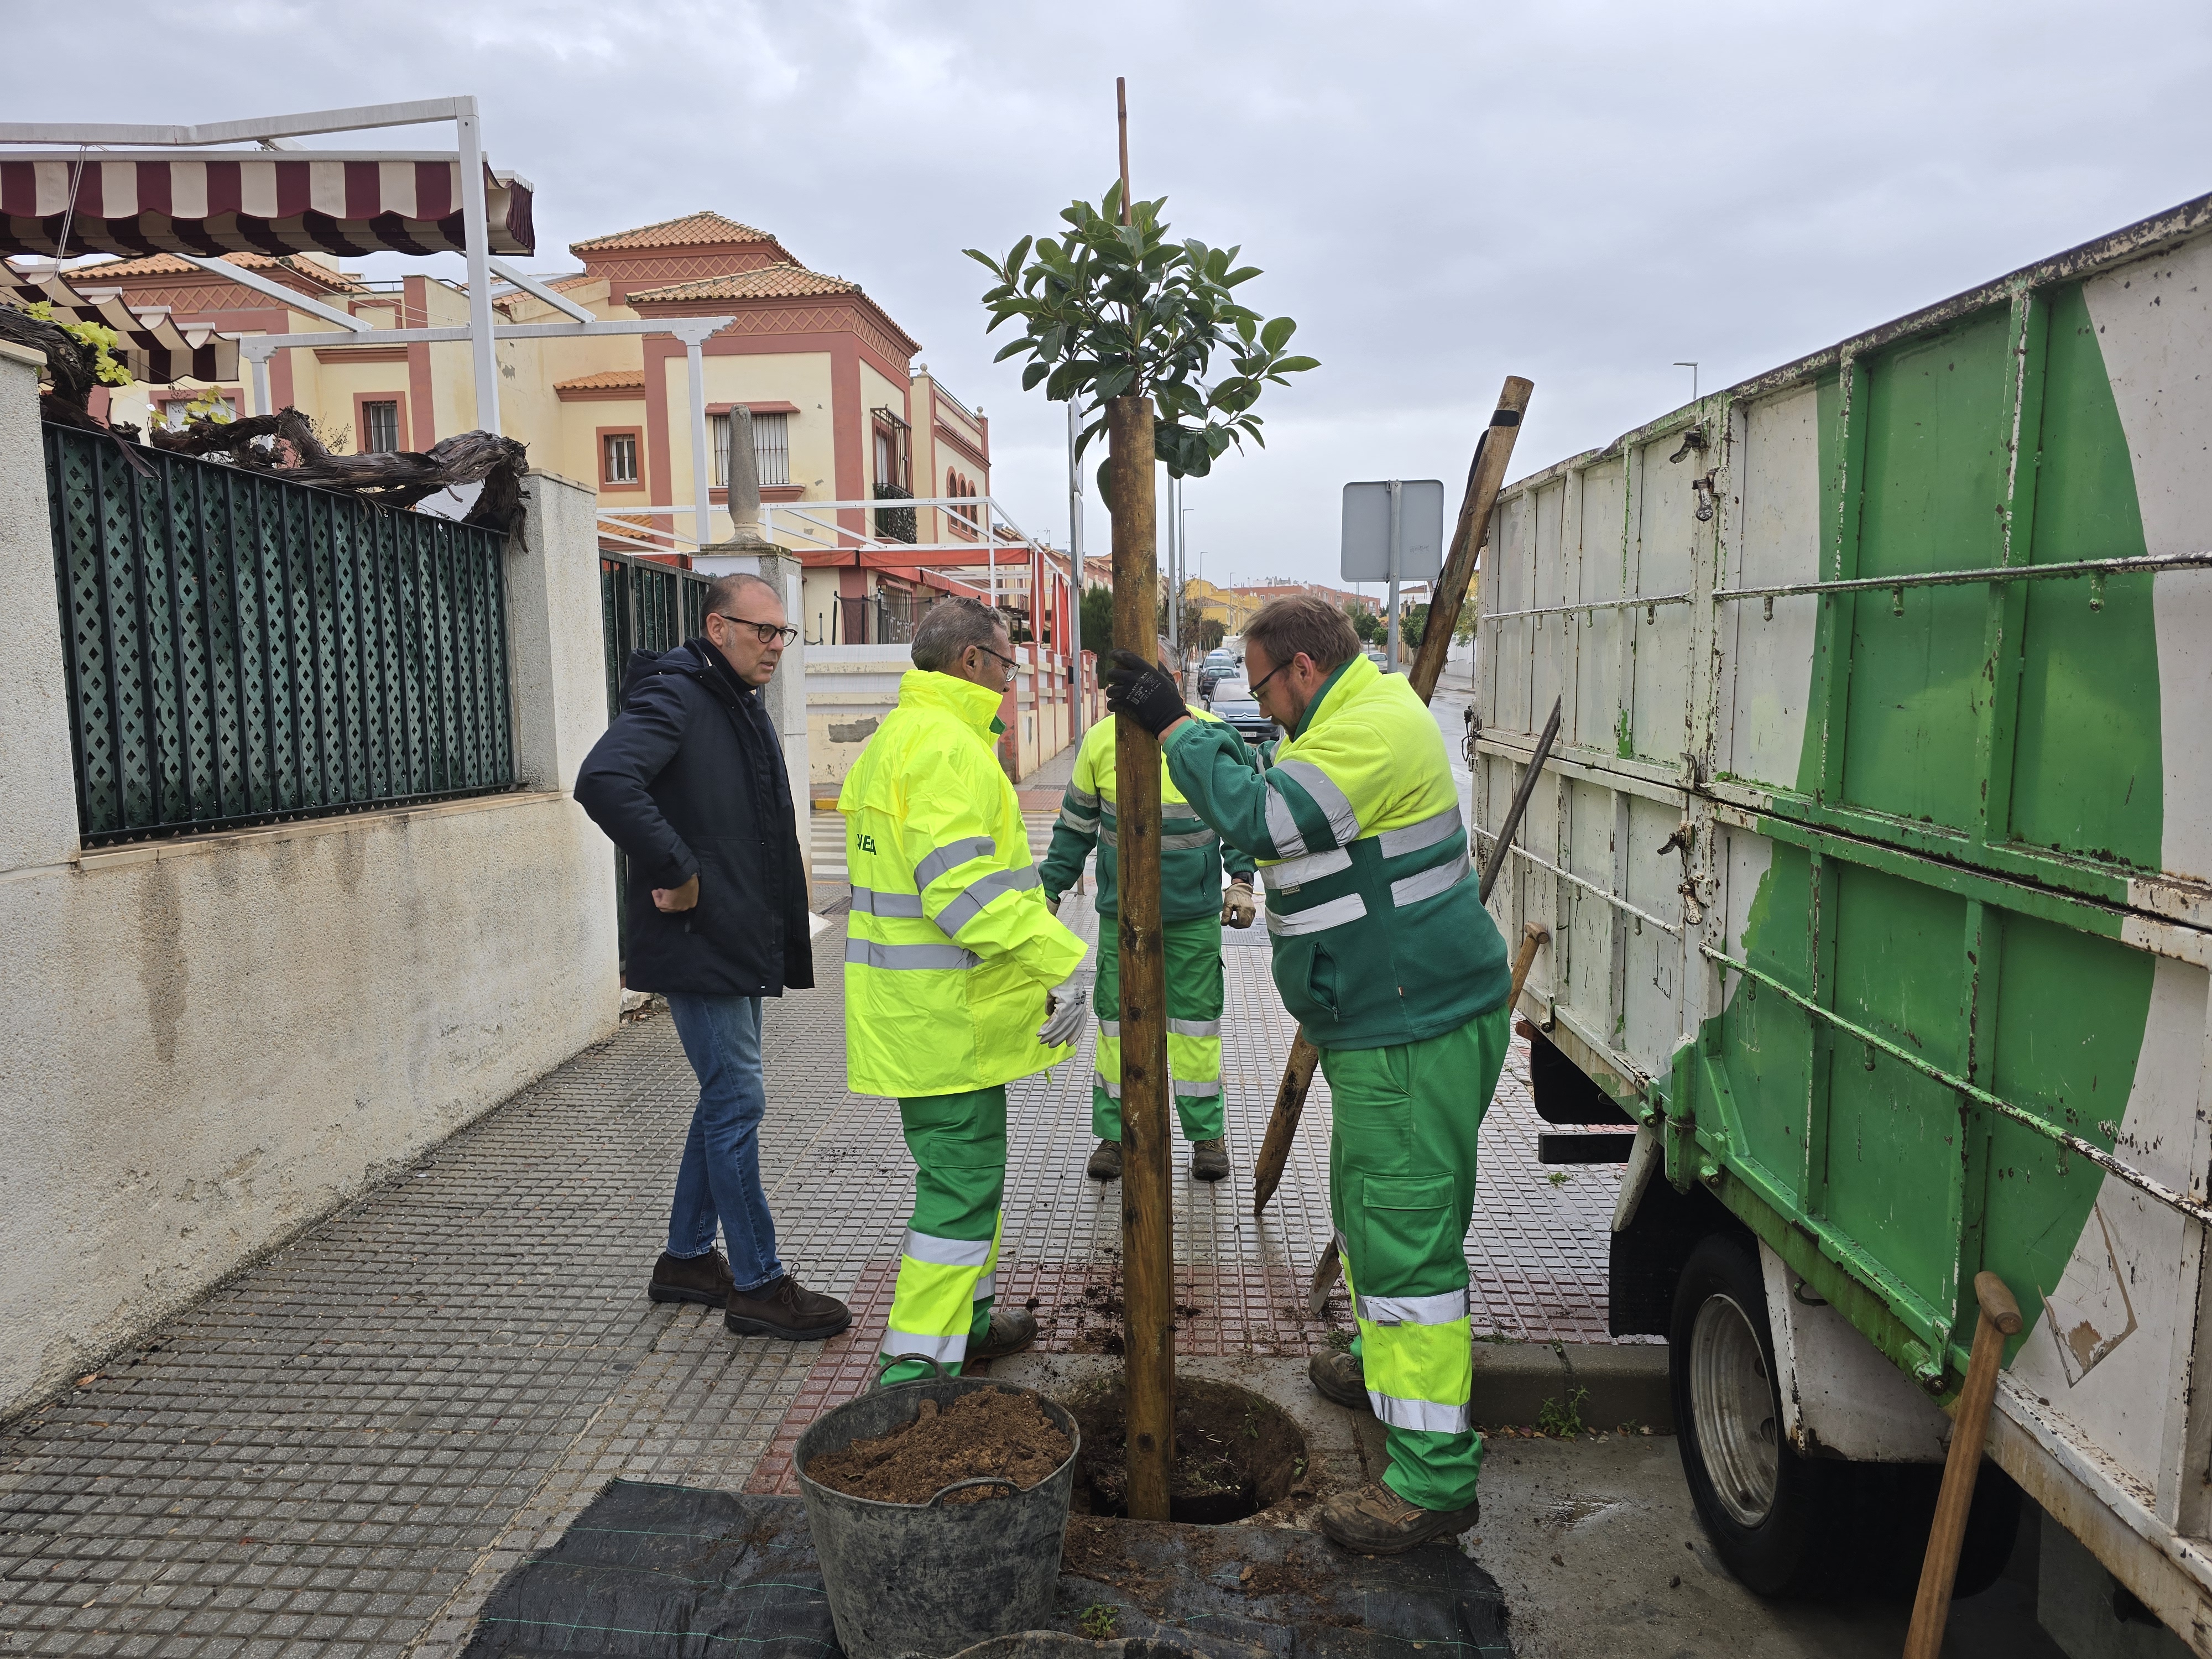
(1063, 1014)
(1142, 693)
(1052, 903)
(1236, 908)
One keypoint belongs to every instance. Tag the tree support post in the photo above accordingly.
(1147, 1220)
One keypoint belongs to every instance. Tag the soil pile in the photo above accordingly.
(989, 1431)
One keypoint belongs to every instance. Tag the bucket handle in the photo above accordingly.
(936, 1500)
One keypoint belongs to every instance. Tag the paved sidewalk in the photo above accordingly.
(347, 1444)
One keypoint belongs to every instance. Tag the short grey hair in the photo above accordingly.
(722, 593)
(950, 628)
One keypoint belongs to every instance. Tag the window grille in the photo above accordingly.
(619, 463)
(241, 649)
(772, 448)
(380, 428)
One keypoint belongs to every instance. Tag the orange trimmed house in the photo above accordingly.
(840, 410)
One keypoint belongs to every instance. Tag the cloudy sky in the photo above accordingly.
(1441, 195)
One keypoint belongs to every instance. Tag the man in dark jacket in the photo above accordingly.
(689, 782)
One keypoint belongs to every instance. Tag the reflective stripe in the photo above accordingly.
(867, 953)
(952, 853)
(987, 1287)
(1182, 826)
(1430, 883)
(1191, 1028)
(1110, 1028)
(866, 902)
(1444, 1310)
(1083, 797)
(979, 892)
(946, 1252)
(1113, 1089)
(1196, 838)
(1396, 843)
(1080, 825)
(1282, 828)
(1343, 821)
(913, 1345)
(1320, 919)
(1425, 1416)
(1293, 873)
(1198, 1090)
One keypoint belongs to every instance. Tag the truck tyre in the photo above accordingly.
(1766, 1509)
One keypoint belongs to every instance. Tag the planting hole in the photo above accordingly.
(1237, 1452)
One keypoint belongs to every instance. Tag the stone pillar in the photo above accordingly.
(556, 645)
(38, 770)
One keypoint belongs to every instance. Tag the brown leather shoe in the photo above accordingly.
(704, 1279)
(1340, 1377)
(1376, 1520)
(784, 1308)
(1011, 1330)
(1209, 1160)
(1105, 1162)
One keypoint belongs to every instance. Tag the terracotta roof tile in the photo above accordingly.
(778, 282)
(168, 264)
(702, 228)
(608, 379)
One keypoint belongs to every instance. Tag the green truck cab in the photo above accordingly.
(1875, 852)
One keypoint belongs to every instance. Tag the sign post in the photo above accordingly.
(1394, 532)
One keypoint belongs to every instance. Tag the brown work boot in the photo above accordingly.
(1209, 1159)
(1011, 1330)
(1340, 1377)
(1105, 1163)
(783, 1308)
(704, 1279)
(1376, 1520)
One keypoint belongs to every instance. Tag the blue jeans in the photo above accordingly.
(721, 1175)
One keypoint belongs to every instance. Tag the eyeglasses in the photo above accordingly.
(1012, 667)
(1269, 675)
(770, 633)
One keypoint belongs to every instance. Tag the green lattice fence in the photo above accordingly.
(242, 650)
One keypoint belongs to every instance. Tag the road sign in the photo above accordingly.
(1420, 527)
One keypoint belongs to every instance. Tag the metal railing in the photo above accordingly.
(646, 605)
(242, 650)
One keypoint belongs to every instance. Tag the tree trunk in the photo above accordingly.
(1148, 1219)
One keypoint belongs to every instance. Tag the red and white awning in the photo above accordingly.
(274, 202)
(148, 343)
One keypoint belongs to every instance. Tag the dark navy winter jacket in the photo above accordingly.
(690, 780)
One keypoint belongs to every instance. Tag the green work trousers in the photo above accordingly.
(1194, 999)
(948, 1263)
(1403, 1123)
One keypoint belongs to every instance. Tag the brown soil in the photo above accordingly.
(990, 1431)
(1235, 1452)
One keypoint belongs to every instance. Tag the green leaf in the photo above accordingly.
(1295, 365)
(1033, 373)
(1244, 275)
(1012, 349)
(1277, 334)
(1019, 257)
(1116, 380)
(984, 260)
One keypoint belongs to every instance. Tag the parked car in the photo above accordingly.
(1244, 715)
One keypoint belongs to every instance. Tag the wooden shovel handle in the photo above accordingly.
(1532, 938)
(1999, 1318)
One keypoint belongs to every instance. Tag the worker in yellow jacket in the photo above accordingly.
(950, 959)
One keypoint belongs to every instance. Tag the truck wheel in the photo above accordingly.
(1765, 1507)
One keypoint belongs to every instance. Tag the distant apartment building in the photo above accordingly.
(1258, 593)
(841, 411)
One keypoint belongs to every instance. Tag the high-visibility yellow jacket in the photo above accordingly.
(1379, 935)
(1191, 855)
(949, 950)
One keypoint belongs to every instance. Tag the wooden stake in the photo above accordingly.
(1121, 116)
(1484, 475)
(1999, 1318)
(1147, 1218)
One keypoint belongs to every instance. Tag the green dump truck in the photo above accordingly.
(1876, 855)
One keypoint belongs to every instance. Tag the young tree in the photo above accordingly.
(1148, 334)
(1098, 621)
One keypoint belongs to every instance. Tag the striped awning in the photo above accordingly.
(263, 202)
(150, 345)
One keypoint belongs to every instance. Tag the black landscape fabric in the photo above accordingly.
(676, 1572)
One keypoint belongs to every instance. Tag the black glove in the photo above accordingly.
(1145, 694)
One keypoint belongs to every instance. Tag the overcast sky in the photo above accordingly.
(1441, 195)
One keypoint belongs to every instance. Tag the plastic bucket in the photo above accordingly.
(933, 1578)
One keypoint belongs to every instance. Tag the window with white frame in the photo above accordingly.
(170, 411)
(379, 427)
(771, 449)
(618, 458)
